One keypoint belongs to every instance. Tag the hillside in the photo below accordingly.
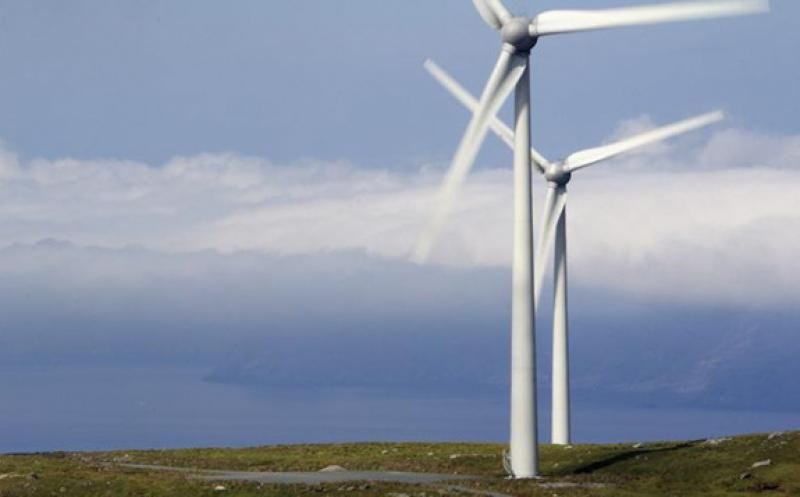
(705, 467)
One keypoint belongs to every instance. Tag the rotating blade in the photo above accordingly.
(554, 204)
(470, 102)
(493, 12)
(586, 158)
(507, 73)
(570, 21)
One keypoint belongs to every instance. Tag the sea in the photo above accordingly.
(104, 408)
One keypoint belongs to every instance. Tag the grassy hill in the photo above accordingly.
(722, 467)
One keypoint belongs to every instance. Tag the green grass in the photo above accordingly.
(662, 469)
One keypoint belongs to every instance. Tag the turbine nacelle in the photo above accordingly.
(516, 33)
(557, 173)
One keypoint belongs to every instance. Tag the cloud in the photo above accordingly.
(247, 316)
(348, 319)
(708, 222)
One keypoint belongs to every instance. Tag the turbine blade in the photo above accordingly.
(554, 204)
(470, 102)
(493, 12)
(506, 74)
(586, 158)
(569, 21)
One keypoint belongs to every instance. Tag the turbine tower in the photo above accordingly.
(512, 73)
(553, 222)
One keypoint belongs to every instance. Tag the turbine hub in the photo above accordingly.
(516, 32)
(558, 174)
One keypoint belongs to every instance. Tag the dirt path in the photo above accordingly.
(313, 478)
(308, 478)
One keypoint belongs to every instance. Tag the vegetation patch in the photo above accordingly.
(763, 464)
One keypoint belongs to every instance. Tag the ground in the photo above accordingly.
(719, 467)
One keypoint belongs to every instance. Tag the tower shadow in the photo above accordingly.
(624, 456)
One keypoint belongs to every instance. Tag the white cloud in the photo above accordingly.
(9, 166)
(717, 223)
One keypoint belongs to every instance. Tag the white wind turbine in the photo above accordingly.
(511, 72)
(553, 222)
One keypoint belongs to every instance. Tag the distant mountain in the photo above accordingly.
(349, 319)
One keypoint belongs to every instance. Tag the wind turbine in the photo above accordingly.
(553, 222)
(512, 73)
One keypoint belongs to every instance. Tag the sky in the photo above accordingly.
(228, 195)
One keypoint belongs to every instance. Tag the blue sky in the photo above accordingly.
(232, 191)
(151, 80)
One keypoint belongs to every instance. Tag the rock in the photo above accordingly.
(637, 445)
(775, 434)
(716, 441)
(219, 488)
(430, 454)
(33, 476)
(455, 456)
(745, 476)
(332, 469)
(384, 451)
(396, 494)
(759, 464)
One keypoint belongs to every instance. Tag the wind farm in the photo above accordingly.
(512, 73)
(255, 249)
(553, 227)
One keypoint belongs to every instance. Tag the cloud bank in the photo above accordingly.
(351, 320)
(711, 221)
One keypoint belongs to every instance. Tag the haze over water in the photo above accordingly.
(106, 408)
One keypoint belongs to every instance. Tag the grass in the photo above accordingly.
(660, 469)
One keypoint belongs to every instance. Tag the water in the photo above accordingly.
(108, 408)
